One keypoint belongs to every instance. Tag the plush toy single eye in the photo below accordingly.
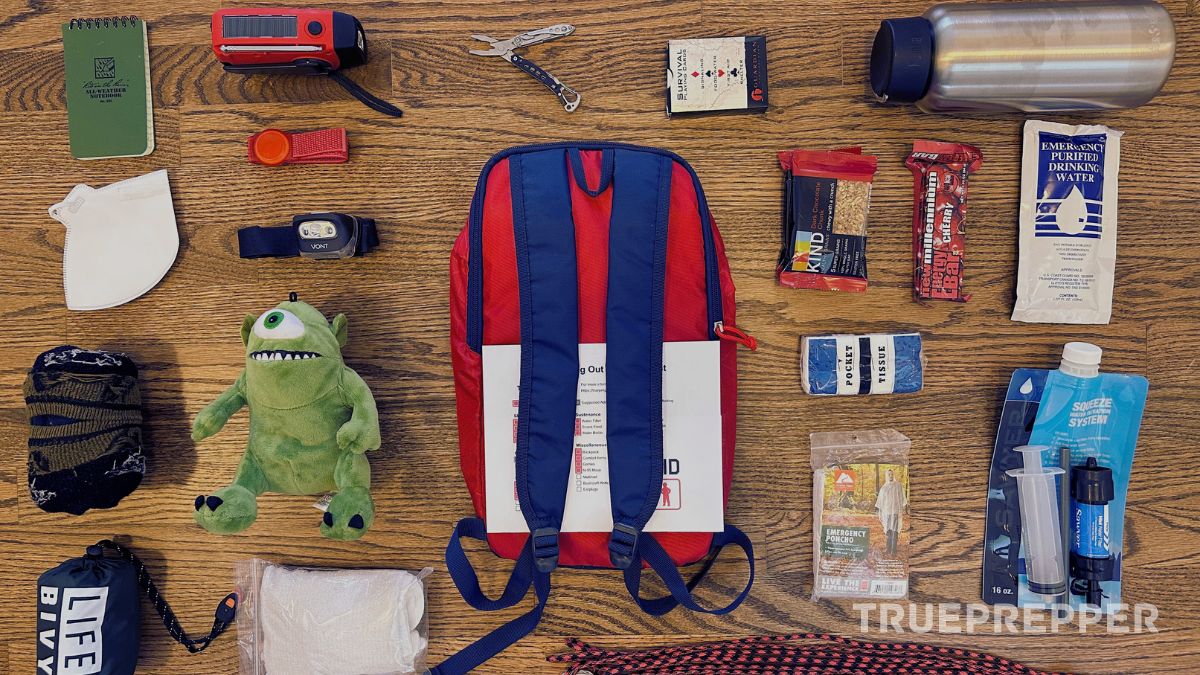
(278, 324)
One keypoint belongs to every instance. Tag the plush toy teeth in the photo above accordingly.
(281, 355)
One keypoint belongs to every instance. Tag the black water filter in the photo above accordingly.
(1091, 558)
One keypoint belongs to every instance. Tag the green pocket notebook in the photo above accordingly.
(109, 110)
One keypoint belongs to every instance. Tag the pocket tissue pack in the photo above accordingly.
(876, 363)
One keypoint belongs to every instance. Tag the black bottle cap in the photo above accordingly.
(1092, 483)
(94, 551)
(902, 59)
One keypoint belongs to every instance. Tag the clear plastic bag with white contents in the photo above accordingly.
(321, 621)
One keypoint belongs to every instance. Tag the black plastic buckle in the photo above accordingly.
(622, 544)
(544, 544)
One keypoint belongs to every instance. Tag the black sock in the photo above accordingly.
(85, 429)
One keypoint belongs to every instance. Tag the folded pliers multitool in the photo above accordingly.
(504, 49)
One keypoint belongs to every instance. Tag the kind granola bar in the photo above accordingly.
(827, 195)
(940, 173)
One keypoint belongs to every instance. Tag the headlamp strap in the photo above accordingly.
(281, 241)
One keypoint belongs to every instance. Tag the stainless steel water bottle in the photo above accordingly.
(1025, 56)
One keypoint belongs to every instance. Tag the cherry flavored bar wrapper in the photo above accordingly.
(940, 173)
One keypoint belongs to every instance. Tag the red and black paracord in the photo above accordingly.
(800, 653)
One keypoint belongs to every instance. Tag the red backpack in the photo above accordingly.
(567, 244)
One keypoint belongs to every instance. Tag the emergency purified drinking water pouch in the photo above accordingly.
(1068, 223)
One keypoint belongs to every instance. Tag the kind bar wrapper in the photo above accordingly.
(860, 515)
(939, 228)
(714, 74)
(827, 195)
(1068, 251)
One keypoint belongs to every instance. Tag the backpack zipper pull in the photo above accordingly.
(735, 334)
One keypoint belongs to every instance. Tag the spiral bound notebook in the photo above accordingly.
(109, 110)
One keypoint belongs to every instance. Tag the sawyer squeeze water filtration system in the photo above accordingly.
(1086, 423)
(1092, 418)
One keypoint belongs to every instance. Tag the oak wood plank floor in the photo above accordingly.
(416, 176)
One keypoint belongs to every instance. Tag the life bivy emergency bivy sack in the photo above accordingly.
(569, 244)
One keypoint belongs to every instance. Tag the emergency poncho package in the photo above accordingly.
(1068, 245)
(330, 621)
(860, 514)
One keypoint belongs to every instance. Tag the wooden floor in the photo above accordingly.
(416, 176)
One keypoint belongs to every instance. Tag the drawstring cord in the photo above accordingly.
(224, 615)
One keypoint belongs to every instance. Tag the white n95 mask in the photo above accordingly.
(121, 240)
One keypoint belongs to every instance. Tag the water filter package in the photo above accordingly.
(1082, 439)
(1068, 230)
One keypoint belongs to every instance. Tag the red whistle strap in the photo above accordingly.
(327, 146)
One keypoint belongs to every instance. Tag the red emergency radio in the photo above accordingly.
(303, 41)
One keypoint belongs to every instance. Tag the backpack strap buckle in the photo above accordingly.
(622, 545)
(543, 542)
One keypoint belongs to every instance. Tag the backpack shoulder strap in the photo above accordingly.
(544, 234)
(637, 256)
(637, 260)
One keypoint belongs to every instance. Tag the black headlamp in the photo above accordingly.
(321, 236)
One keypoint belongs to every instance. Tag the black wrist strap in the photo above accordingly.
(224, 615)
(370, 100)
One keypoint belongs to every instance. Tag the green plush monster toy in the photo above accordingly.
(311, 420)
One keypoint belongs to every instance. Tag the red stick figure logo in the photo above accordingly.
(671, 497)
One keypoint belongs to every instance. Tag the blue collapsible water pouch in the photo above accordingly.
(1090, 424)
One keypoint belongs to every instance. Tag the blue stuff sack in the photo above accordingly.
(88, 619)
(877, 363)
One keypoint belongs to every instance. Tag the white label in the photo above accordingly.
(323, 503)
(80, 638)
(691, 484)
(707, 74)
(847, 351)
(888, 588)
(883, 364)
